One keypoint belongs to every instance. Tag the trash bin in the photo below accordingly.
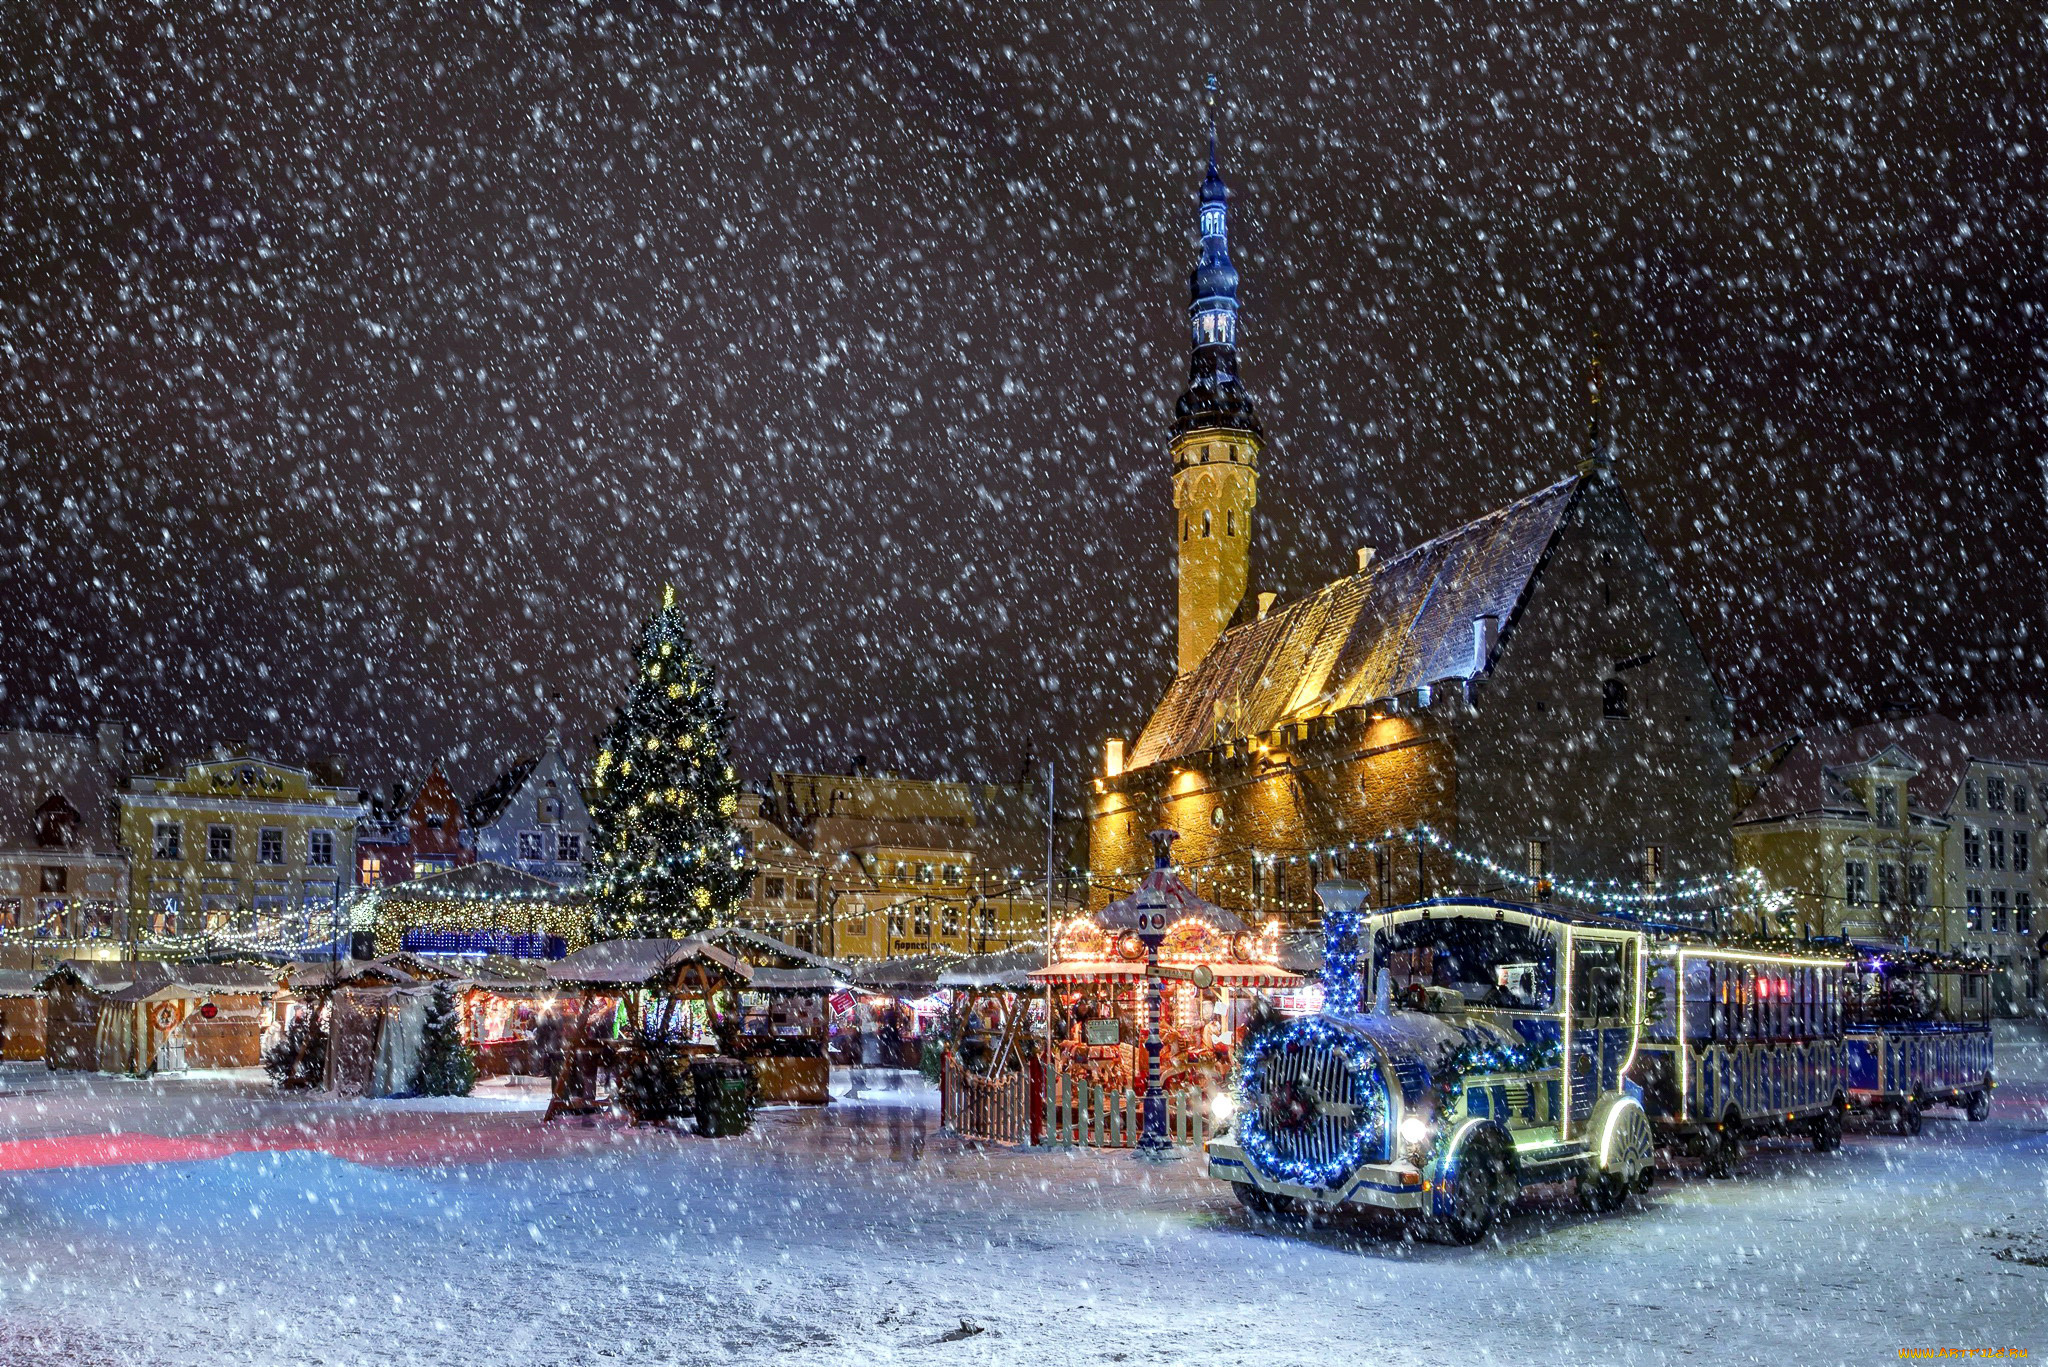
(725, 1096)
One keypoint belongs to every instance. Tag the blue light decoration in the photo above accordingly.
(1343, 989)
(1271, 1141)
(510, 944)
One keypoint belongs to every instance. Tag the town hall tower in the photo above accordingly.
(1216, 438)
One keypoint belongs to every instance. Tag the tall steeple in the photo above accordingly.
(1216, 438)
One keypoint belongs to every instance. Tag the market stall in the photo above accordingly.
(155, 1017)
(23, 1016)
(992, 1080)
(895, 1004)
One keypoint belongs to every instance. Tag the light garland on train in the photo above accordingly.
(1369, 1100)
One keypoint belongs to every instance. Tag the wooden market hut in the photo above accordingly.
(24, 1016)
(143, 1017)
(512, 1015)
(991, 1006)
(886, 1029)
(776, 1013)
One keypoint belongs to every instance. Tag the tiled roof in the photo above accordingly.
(1396, 626)
(484, 808)
(1805, 778)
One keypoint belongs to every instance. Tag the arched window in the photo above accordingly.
(1230, 524)
(1206, 526)
(1613, 698)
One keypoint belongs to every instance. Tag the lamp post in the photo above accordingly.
(1151, 907)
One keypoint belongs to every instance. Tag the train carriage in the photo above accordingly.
(1465, 1048)
(1739, 1043)
(1912, 1036)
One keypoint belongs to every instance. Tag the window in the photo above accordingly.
(10, 913)
(1973, 908)
(170, 840)
(1998, 910)
(1230, 524)
(949, 918)
(1206, 528)
(2019, 798)
(320, 849)
(220, 844)
(373, 870)
(1995, 838)
(924, 873)
(773, 889)
(1973, 848)
(1887, 806)
(896, 919)
(803, 891)
(163, 913)
(1918, 884)
(1613, 698)
(270, 846)
(921, 921)
(1994, 793)
(1653, 864)
(219, 914)
(1537, 855)
(1888, 885)
(1970, 798)
(54, 878)
(270, 918)
(2022, 852)
(568, 847)
(49, 917)
(2023, 912)
(1856, 879)
(530, 847)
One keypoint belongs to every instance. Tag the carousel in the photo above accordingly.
(1210, 969)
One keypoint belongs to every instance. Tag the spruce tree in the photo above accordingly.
(663, 796)
(447, 1066)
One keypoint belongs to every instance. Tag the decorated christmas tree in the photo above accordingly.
(663, 796)
(447, 1066)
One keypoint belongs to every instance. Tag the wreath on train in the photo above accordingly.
(1479, 1057)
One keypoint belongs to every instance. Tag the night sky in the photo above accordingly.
(365, 370)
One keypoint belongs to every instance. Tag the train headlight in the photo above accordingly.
(1222, 1106)
(1414, 1131)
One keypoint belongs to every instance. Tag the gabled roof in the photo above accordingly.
(485, 807)
(1806, 774)
(1392, 628)
(37, 765)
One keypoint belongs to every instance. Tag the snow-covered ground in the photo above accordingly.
(858, 1234)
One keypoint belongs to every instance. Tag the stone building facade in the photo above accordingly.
(1517, 707)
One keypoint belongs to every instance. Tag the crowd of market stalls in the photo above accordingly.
(1023, 1046)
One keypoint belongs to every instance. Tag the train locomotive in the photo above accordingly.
(1492, 1051)
(1468, 1047)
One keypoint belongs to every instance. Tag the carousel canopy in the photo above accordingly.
(1106, 947)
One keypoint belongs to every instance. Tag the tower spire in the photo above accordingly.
(1216, 438)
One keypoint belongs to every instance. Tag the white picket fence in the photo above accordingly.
(1100, 1118)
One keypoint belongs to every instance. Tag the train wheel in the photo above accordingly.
(1909, 1119)
(1827, 1131)
(1478, 1195)
(1600, 1191)
(1724, 1146)
(1264, 1203)
(1977, 1106)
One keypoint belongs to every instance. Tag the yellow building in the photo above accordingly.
(1924, 831)
(863, 866)
(238, 849)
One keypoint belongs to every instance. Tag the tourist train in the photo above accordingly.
(1469, 1047)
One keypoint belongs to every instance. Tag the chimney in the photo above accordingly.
(1485, 635)
(1365, 554)
(111, 737)
(1266, 604)
(1112, 757)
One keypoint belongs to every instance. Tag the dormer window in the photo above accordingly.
(56, 824)
(1613, 698)
(1971, 800)
(1887, 806)
(1994, 793)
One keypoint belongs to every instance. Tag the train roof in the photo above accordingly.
(1541, 911)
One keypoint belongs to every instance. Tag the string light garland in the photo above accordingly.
(1271, 1110)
